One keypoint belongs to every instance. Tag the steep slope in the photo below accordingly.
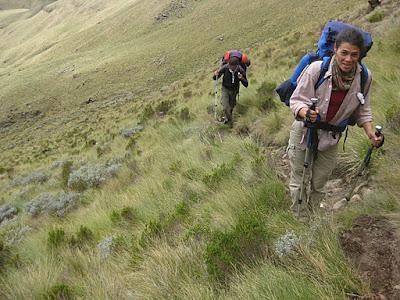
(178, 206)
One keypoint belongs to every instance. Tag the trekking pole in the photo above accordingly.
(216, 98)
(365, 163)
(309, 154)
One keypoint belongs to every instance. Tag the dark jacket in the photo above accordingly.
(229, 82)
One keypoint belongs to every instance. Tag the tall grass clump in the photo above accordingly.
(376, 16)
(60, 291)
(228, 251)
(393, 117)
(265, 96)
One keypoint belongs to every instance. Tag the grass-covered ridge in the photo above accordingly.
(177, 206)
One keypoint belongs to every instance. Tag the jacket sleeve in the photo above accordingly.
(244, 81)
(304, 91)
(363, 113)
(221, 71)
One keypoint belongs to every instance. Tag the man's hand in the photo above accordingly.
(375, 140)
(311, 115)
(240, 76)
(216, 73)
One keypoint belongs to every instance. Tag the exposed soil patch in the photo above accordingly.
(372, 246)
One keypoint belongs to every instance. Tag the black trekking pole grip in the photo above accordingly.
(378, 133)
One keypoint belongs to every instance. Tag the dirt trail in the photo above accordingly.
(374, 249)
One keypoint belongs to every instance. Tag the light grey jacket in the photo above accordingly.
(351, 103)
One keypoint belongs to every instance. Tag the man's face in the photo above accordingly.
(234, 61)
(347, 56)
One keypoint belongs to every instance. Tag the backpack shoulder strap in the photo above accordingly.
(364, 78)
(324, 68)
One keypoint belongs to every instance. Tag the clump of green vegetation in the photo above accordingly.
(187, 94)
(84, 236)
(147, 113)
(132, 142)
(393, 117)
(175, 166)
(59, 291)
(184, 114)
(4, 253)
(66, 170)
(165, 106)
(377, 16)
(265, 96)
(56, 237)
(229, 251)
(164, 224)
(129, 214)
(217, 174)
(153, 229)
(125, 215)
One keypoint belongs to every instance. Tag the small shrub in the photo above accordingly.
(265, 94)
(193, 173)
(102, 149)
(229, 251)
(38, 177)
(56, 237)
(85, 234)
(182, 210)
(83, 237)
(65, 172)
(187, 94)
(4, 253)
(184, 114)
(164, 224)
(132, 142)
(152, 229)
(393, 117)
(377, 16)
(129, 214)
(220, 172)
(59, 292)
(175, 166)
(165, 105)
(115, 217)
(147, 113)
(87, 177)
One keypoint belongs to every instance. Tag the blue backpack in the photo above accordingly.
(325, 51)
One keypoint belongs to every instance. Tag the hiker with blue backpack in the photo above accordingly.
(234, 73)
(329, 91)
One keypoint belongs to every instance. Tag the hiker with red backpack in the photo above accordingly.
(328, 94)
(234, 73)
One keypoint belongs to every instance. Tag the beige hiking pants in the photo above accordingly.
(228, 102)
(317, 174)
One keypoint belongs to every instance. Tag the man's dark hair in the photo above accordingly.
(351, 36)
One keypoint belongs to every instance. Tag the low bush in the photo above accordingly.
(229, 251)
(393, 117)
(265, 96)
(84, 236)
(87, 177)
(56, 237)
(376, 16)
(66, 170)
(59, 292)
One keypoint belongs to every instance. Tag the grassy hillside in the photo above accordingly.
(72, 51)
(186, 208)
